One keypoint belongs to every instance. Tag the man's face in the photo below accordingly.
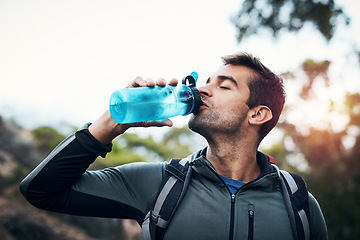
(224, 96)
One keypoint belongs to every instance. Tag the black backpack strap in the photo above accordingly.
(177, 177)
(296, 199)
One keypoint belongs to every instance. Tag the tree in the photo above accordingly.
(287, 14)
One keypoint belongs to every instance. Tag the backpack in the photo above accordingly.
(177, 177)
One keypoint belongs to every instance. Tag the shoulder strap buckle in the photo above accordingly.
(157, 220)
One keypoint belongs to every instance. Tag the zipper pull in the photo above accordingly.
(233, 198)
(251, 214)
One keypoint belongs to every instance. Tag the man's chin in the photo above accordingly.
(196, 124)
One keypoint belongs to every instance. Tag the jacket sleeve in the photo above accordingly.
(318, 229)
(62, 184)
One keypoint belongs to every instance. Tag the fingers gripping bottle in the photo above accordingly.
(155, 103)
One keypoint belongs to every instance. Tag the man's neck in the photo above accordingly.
(234, 159)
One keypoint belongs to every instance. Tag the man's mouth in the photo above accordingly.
(204, 105)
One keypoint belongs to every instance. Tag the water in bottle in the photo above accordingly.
(155, 103)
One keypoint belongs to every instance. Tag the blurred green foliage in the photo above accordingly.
(291, 15)
(46, 139)
(131, 147)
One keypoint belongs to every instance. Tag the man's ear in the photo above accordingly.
(259, 115)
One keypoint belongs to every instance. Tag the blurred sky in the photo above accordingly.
(61, 60)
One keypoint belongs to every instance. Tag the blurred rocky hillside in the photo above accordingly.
(20, 151)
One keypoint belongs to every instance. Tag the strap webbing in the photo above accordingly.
(295, 198)
(169, 198)
(163, 194)
(154, 214)
(290, 180)
(288, 204)
(305, 223)
(145, 227)
(289, 208)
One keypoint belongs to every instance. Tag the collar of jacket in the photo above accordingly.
(204, 167)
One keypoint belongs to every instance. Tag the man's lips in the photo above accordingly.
(204, 105)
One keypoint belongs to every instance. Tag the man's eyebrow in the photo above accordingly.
(230, 78)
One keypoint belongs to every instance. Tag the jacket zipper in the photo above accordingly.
(232, 214)
(232, 217)
(251, 225)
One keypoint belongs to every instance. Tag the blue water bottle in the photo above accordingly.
(155, 103)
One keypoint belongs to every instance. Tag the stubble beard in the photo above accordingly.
(210, 124)
(199, 125)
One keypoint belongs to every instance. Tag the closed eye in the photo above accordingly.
(225, 88)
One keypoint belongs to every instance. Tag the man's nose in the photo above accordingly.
(205, 91)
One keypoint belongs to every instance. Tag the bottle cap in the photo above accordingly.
(192, 78)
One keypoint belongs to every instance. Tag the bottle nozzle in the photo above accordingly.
(195, 76)
(192, 78)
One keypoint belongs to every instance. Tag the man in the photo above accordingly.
(234, 192)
